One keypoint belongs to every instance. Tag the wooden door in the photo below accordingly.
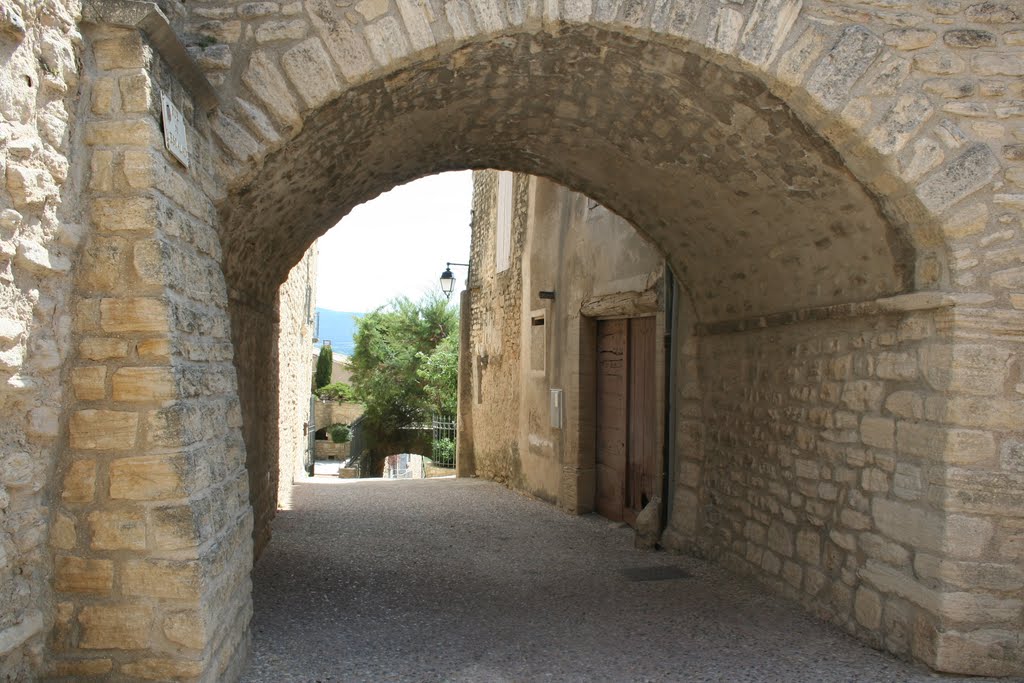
(643, 474)
(627, 459)
(612, 391)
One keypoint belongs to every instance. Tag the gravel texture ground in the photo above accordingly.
(464, 580)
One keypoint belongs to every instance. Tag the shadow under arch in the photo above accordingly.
(756, 212)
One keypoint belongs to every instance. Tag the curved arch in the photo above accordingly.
(792, 168)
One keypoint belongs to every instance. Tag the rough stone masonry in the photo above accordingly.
(838, 185)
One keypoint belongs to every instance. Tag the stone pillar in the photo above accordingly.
(151, 528)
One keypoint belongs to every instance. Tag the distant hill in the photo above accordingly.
(339, 327)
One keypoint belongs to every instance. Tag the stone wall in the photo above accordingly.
(297, 305)
(150, 527)
(335, 412)
(40, 232)
(825, 467)
(490, 396)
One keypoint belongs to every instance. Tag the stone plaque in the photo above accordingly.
(174, 131)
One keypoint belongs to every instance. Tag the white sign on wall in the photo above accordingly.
(174, 131)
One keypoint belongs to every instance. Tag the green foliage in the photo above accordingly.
(443, 452)
(338, 391)
(339, 433)
(391, 345)
(439, 373)
(324, 367)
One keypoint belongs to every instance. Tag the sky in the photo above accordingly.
(397, 244)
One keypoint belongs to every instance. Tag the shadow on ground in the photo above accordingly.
(464, 580)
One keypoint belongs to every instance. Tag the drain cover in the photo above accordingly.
(657, 573)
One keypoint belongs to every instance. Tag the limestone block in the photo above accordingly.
(908, 482)
(986, 413)
(124, 214)
(489, 16)
(103, 430)
(979, 369)
(102, 348)
(115, 627)
(63, 535)
(177, 528)
(982, 652)
(879, 432)
(415, 15)
(147, 477)
(80, 481)
(289, 29)
(267, 82)
(897, 366)
(909, 38)
(126, 51)
(969, 575)
(187, 628)
(345, 45)
(769, 24)
(1011, 456)
(460, 17)
(220, 31)
(136, 92)
(998, 64)
(136, 132)
(863, 395)
(310, 70)
(154, 349)
(117, 530)
(964, 175)
(81, 575)
(215, 57)
(924, 529)
(161, 579)
(780, 538)
(89, 383)
(852, 519)
(833, 79)
(386, 41)
(945, 444)
(143, 384)
(80, 668)
(134, 315)
(867, 607)
(29, 187)
(907, 404)
(967, 221)
(724, 32)
(882, 549)
(969, 38)
(157, 669)
(874, 480)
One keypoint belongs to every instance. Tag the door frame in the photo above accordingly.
(631, 304)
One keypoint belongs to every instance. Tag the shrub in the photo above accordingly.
(324, 367)
(339, 391)
(339, 433)
(443, 452)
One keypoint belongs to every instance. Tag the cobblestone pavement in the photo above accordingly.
(464, 580)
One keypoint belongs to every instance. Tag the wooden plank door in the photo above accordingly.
(612, 395)
(643, 473)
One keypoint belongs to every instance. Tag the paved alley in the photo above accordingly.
(464, 580)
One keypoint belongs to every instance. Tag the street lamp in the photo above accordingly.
(448, 278)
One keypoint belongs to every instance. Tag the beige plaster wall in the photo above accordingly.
(568, 244)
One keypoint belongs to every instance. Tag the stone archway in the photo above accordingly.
(858, 314)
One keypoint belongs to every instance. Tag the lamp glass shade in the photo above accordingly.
(447, 282)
